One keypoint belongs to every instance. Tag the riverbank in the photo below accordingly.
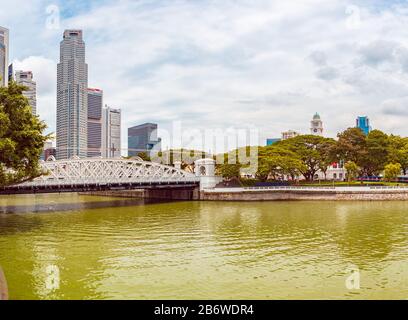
(306, 193)
(273, 194)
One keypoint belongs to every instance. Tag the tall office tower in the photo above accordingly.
(364, 124)
(4, 56)
(72, 97)
(142, 138)
(111, 127)
(95, 104)
(316, 125)
(10, 73)
(25, 78)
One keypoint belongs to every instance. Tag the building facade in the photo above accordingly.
(270, 142)
(364, 124)
(46, 150)
(111, 136)
(143, 138)
(72, 97)
(316, 126)
(289, 134)
(95, 105)
(25, 78)
(10, 73)
(4, 56)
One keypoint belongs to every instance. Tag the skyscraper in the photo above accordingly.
(95, 104)
(25, 78)
(72, 96)
(10, 73)
(4, 56)
(111, 127)
(142, 138)
(364, 124)
(316, 125)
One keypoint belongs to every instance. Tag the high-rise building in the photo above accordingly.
(47, 151)
(95, 104)
(316, 125)
(272, 141)
(143, 138)
(111, 127)
(25, 78)
(72, 96)
(10, 73)
(289, 134)
(364, 124)
(4, 56)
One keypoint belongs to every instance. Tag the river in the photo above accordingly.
(81, 247)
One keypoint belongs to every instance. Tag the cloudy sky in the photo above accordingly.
(226, 64)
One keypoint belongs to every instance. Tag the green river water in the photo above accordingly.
(111, 248)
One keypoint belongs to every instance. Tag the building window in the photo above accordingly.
(202, 171)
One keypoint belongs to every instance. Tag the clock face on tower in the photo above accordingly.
(315, 130)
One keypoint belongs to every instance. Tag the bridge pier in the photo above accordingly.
(172, 193)
(162, 193)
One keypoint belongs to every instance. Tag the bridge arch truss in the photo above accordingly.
(98, 171)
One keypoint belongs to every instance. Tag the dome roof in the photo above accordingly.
(316, 116)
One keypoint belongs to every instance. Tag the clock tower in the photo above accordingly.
(316, 127)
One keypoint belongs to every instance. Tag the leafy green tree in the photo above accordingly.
(350, 146)
(398, 151)
(392, 171)
(21, 137)
(229, 171)
(352, 170)
(276, 162)
(376, 156)
(144, 156)
(312, 150)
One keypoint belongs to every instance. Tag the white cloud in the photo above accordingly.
(271, 64)
(45, 75)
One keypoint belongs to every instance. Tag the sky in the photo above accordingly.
(219, 65)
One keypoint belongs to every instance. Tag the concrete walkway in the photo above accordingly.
(311, 189)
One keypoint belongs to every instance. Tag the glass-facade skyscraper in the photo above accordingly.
(364, 124)
(72, 97)
(4, 56)
(142, 138)
(95, 104)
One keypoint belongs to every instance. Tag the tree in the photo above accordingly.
(375, 159)
(312, 151)
(144, 156)
(230, 171)
(350, 146)
(392, 171)
(398, 151)
(21, 137)
(352, 170)
(276, 162)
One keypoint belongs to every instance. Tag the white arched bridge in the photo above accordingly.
(104, 174)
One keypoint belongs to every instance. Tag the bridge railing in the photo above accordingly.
(291, 188)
